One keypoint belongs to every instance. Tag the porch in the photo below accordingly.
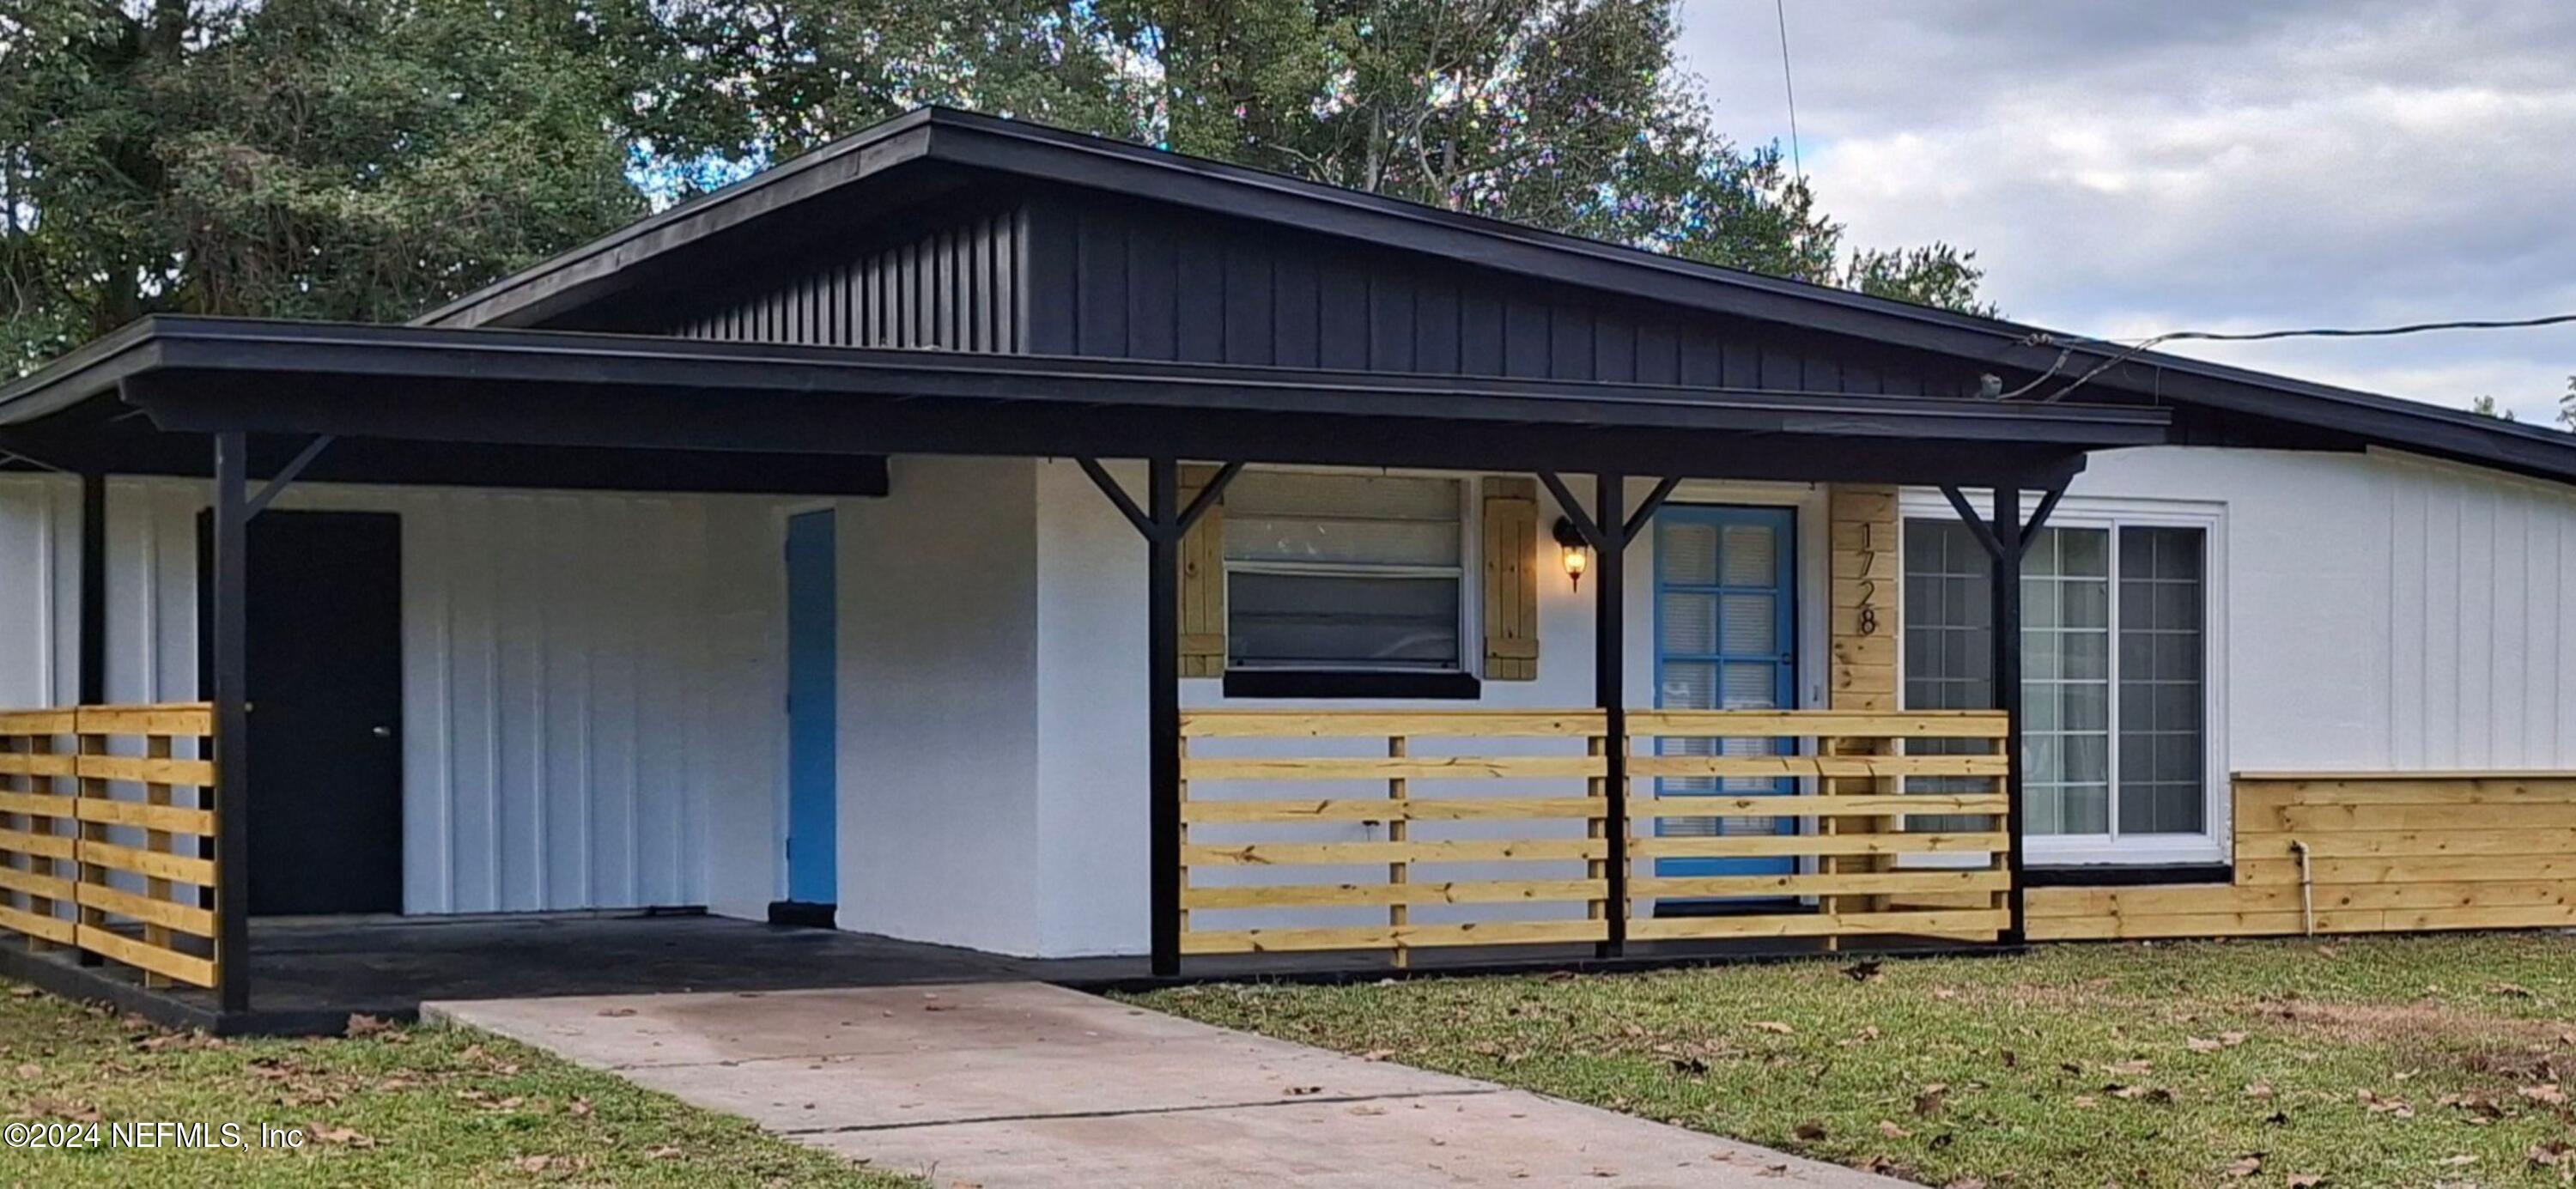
(1489, 836)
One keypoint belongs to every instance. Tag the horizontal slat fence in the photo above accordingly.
(1542, 882)
(1831, 750)
(96, 852)
(1381, 814)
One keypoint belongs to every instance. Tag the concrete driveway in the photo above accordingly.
(1011, 1084)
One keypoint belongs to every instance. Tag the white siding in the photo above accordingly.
(2384, 612)
(588, 679)
(39, 585)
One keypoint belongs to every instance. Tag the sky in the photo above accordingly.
(2123, 169)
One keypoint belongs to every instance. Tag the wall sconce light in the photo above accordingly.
(1575, 551)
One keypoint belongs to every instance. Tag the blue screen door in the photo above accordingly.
(1725, 638)
(813, 850)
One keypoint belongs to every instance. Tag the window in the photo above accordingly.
(2115, 698)
(1344, 572)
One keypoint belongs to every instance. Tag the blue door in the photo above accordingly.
(1725, 638)
(813, 850)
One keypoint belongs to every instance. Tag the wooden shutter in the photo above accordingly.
(1511, 578)
(1202, 581)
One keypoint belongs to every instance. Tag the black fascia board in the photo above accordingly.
(209, 347)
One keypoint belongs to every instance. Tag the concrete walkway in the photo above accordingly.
(1011, 1084)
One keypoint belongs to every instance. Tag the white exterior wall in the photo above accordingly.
(939, 820)
(2384, 612)
(590, 691)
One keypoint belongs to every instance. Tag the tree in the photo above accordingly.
(2485, 406)
(313, 158)
(2567, 407)
(363, 159)
(1563, 114)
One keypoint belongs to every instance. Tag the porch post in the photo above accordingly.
(229, 653)
(2006, 613)
(1609, 689)
(1163, 705)
(93, 589)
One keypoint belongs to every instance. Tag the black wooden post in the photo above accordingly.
(93, 589)
(1164, 523)
(1163, 703)
(1609, 688)
(230, 655)
(2006, 537)
(2005, 610)
(1611, 528)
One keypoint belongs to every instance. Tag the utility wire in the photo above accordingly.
(2145, 345)
(1797, 163)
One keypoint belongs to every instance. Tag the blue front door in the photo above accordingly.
(813, 847)
(1725, 638)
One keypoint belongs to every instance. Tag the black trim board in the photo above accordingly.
(2128, 876)
(804, 914)
(1349, 683)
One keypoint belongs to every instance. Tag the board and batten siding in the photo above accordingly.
(1136, 282)
(591, 681)
(952, 285)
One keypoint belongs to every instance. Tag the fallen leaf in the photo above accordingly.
(1861, 972)
(2244, 1166)
(348, 1136)
(1689, 1066)
(2258, 1089)
(1810, 1131)
(24, 992)
(533, 1163)
(616, 1012)
(1303, 1091)
(2138, 1068)
(1965, 1183)
(1927, 1101)
(578, 1106)
(2201, 1045)
(1888, 1128)
(364, 1025)
(1773, 1026)
(662, 1153)
(2556, 1153)
(30, 1070)
(2548, 1095)
(2231, 1039)
(1377, 1054)
(2510, 990)
(2087, 1101)
(2305, 1180)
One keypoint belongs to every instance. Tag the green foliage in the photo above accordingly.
(309, 158)
(2486, 406)
(363, 159)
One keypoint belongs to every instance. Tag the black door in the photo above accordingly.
(325, 657)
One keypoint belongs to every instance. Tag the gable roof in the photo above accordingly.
(957, 140)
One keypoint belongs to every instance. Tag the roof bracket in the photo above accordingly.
(277, 482)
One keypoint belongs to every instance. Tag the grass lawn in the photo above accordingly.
(398, 1106)
(2395, 1061)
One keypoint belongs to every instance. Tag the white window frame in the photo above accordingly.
(2113, 513)
(1470, 563)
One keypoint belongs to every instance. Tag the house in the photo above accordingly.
(980, 534)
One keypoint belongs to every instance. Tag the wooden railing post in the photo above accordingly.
(91, 833)
(39, 747)
(1398, 872)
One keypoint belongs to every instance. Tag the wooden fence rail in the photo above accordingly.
(1497, 818)
(96, 852)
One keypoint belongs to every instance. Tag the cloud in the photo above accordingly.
(2124, 168)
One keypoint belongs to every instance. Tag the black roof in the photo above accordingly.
(1019, 149)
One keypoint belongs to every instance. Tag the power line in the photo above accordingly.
(1780, 9)
(2142, 346)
